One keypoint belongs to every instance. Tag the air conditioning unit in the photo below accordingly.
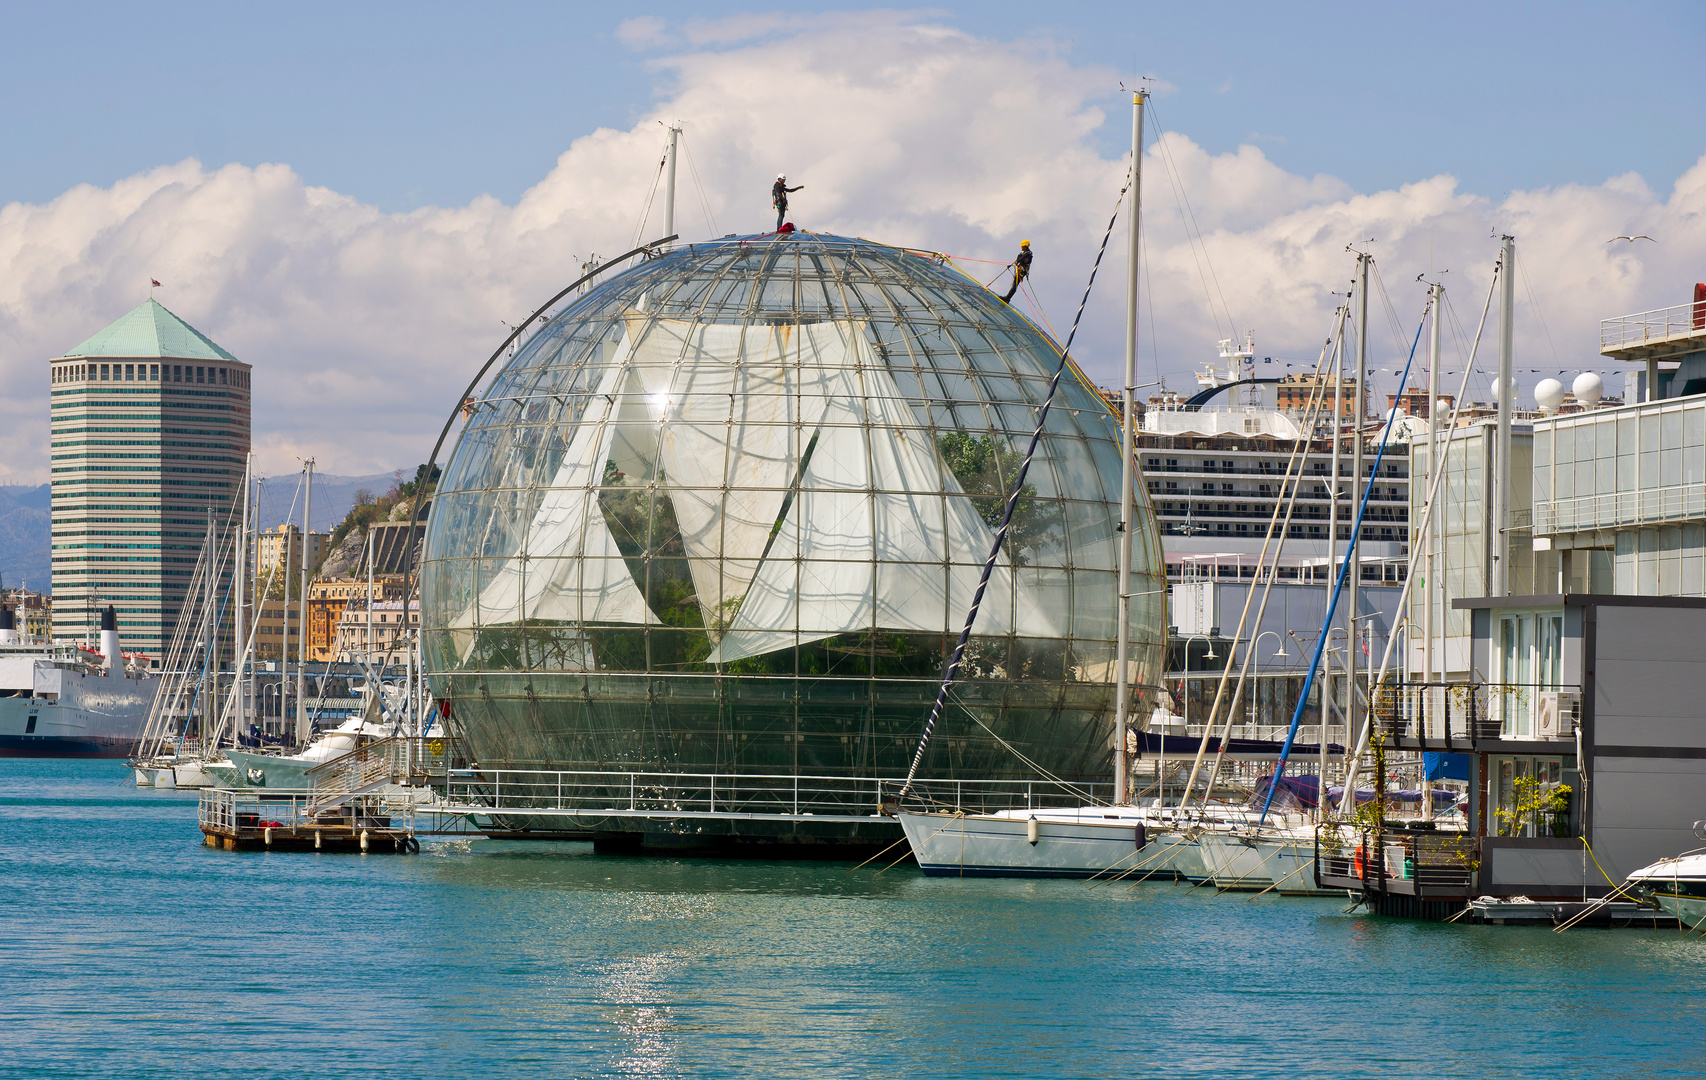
(1557, 713)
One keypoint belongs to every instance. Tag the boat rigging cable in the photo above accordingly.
(1344, 572)
(1355, 755)
(1012, 501)
(1296, 465)
(1193, 233)
(467, 395)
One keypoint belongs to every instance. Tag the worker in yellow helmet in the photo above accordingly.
(1021, 270)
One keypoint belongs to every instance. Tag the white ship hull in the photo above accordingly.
(83, 716)
(1069, 843)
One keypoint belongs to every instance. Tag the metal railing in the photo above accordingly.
(1439, 862)
(669, 794)
(396, 759)
(1676, 321)
(232, 811)
(1612, 509)
(1462, 711)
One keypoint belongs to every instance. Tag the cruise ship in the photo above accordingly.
(64, 701)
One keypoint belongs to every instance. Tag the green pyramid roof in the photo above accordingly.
(150, 330)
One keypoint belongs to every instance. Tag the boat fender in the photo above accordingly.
(267, 835)
(1033, 832)
(1356, 863)
(1142, 835)
(316, 839)
(412, 845)
(364, 839)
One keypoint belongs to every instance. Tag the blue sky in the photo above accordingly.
(409, 105)
(357, 198)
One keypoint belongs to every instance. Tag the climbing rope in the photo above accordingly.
(1012, 503)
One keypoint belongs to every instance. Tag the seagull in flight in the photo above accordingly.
(1631, 239)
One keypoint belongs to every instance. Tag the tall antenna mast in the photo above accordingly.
(668, 184)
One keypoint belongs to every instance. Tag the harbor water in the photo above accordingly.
(129, 949)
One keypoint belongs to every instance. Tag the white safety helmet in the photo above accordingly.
(779, 176)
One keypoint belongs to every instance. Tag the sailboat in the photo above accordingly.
(1084, 840)
(167, 755)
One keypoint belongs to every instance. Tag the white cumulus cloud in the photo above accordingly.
(363, 326)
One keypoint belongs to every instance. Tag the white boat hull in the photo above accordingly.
(270, 770)
(193, 774)
(1679, 886)
(1285, 864)
(976, 845)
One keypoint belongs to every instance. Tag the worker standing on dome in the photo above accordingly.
(1021, 270)
(779, 198)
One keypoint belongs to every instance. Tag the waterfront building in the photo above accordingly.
(381, 638)
(1294, 393)
(1415, 402)
(1464, 542)
(1620, 491)
(726, 513)
(32, 613)
(150, 431)
(1205, 614)
(281, 547)
(333, 600)
(269, 630)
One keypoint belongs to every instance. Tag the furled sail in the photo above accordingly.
(877, 536)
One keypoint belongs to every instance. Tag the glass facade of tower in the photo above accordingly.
(727, 511)
(145, 449)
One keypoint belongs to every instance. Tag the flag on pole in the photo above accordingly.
(154, 283)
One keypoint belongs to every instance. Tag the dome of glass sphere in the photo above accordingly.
(727, 510)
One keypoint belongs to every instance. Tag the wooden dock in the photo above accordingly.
(252, 819)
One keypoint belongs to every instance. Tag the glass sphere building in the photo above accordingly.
(726, 512)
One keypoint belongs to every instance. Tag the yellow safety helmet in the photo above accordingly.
(1024, 243)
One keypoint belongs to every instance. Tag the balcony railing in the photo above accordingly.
(1438, 865)
(1680, 320)
(1615, 509)
(1459, 712)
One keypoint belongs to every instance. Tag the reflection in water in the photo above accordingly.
(634, 989)
(130, 950)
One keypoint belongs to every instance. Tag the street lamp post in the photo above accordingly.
(1210, 655)
(1255, 646)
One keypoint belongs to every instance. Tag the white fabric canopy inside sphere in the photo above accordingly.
(877, 536)
(569, 567)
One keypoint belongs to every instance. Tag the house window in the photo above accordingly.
(1527, 796)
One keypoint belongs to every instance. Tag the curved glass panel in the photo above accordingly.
(727, 512)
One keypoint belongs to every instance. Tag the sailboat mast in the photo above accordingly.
(1507, 404)
(209, 672)
(241, 561)
(302, 613)
(1430, 549)
(1437, 297)
(1128, 410)
(1338, 365)
(1360, 418)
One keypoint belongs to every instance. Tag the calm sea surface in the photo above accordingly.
(128, 949)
